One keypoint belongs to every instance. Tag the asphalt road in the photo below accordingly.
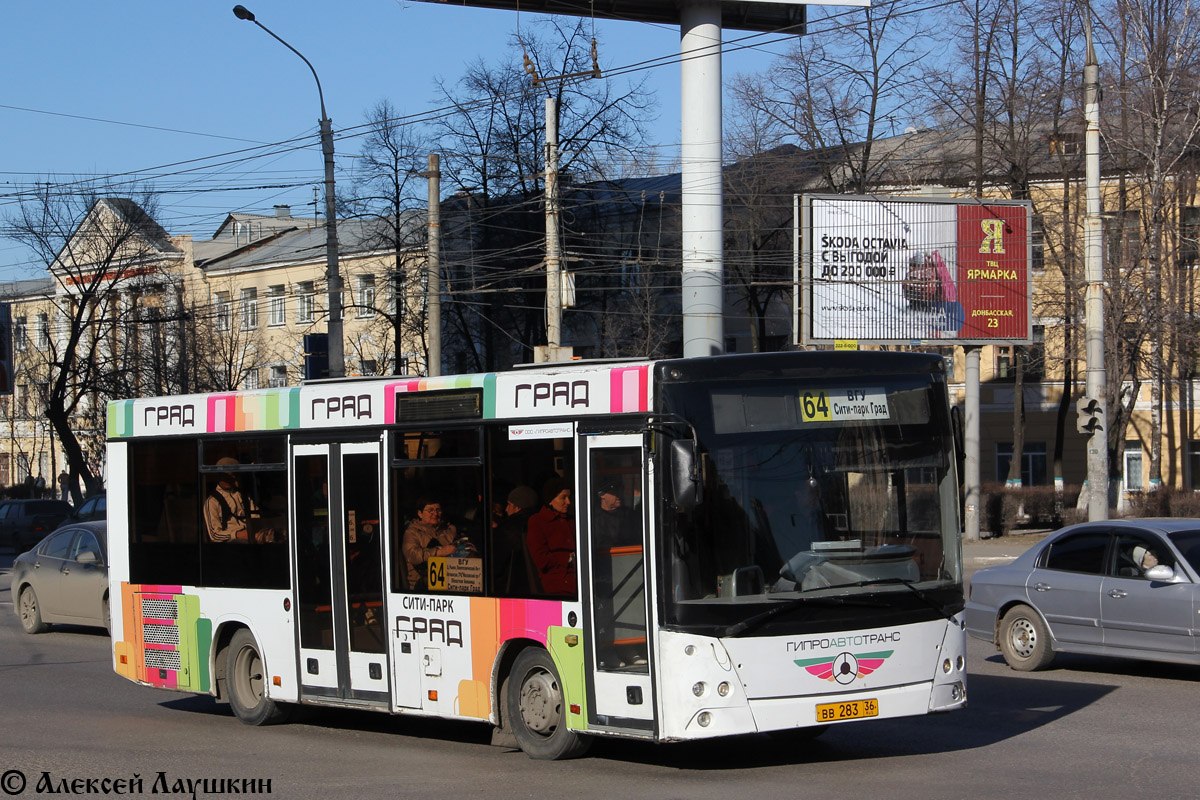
(1087, 728)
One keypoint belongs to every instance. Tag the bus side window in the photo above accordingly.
(459, 532)
(164, 513)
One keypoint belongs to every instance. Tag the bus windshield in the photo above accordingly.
(818, 494)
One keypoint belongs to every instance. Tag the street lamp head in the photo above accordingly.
(241, 12)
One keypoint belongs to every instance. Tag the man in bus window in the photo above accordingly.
(228, 512)
(551, 539)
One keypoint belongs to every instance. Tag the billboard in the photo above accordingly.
(913, 271)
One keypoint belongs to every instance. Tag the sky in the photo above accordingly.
(182, 95)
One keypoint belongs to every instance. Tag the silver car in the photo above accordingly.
(1127, 588)
(64, 578)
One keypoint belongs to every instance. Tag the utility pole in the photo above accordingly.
(333, 277)
(434, 266)
(1093, 416)
(553, 351)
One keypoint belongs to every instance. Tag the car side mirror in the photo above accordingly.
(87, 557)
(1161, 573)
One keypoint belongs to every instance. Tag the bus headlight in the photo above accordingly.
(723, 688)
(947, 666)
(705, 719)
(698, 688)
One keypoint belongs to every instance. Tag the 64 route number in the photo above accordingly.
(814, 406)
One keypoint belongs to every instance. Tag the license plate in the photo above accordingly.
(851, 709)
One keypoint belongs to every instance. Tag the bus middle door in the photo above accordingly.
(339, 572)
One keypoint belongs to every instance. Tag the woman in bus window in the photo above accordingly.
(551, 539)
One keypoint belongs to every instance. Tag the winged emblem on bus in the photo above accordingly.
(844, 667)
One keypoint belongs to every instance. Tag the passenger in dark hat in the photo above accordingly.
(514, 571)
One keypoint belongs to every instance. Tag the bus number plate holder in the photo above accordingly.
(850, 709)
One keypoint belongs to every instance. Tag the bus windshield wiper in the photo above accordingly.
(906, 583)
(797, 602)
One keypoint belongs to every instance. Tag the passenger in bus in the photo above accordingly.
(551, 539)
(430, 536)
(515, 573)
(229, 514)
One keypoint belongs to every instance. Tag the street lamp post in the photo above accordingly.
(333, 278)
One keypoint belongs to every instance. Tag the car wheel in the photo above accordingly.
(107, 616)
(534, 704)
(1025, 639)
(247, 683)
(31, 612)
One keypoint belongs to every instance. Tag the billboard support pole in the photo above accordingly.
(702, 276)
(971, 447)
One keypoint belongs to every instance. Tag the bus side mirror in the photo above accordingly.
(686, 482)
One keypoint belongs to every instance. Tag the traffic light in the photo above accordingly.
(1091, 414)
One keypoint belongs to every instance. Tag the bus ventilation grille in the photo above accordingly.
(156, 608)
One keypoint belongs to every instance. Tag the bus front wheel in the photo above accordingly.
(247, 683)
(535, 709)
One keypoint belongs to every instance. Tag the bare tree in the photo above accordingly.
(1157, 43)
(103, 251)
(493, 143)
(388, 186)
(838, 93)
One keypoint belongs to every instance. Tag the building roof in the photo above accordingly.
(22, 290)
(356, 237)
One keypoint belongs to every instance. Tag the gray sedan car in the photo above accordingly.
(64, 578)
(1128, 588)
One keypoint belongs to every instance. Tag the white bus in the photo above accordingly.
(665, 550)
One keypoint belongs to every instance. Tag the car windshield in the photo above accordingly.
(820, 491)
(1188, 543)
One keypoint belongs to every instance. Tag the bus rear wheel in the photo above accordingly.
(245, 675)
(535, 703)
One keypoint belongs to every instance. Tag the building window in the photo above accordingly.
(366, 296)
(250, 382)
(250, 308)
(223, 311)
(1033, 463)
(1189, 235)
(42, 341)
(1124, 239)
(1037, 245)
(278, 377)
(1005, 370)
(1035, 355)
(1193, 453)
(1133, 467)
(368, 367)
(20, 335)
(21, 401)
(305, 302)
(276, 306)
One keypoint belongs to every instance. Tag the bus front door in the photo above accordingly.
(619, 684)
(339, 573)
